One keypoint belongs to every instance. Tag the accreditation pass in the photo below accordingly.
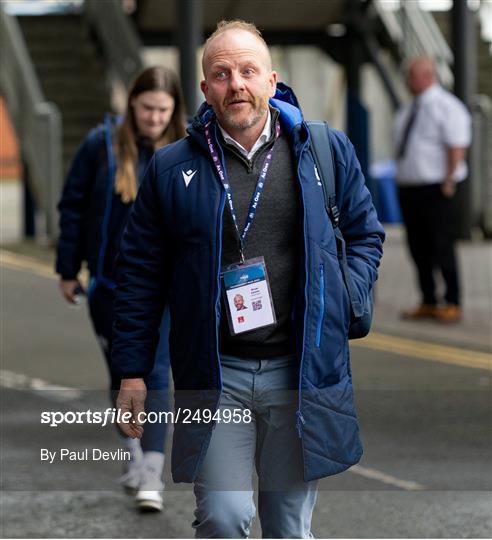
(247, 296)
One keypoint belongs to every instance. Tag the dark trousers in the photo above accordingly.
(101, 313)
(430, 220)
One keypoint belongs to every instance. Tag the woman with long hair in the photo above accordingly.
(98, 195)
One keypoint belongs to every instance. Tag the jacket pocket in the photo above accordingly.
(321, 313)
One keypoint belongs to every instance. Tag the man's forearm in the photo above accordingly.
(455, 156)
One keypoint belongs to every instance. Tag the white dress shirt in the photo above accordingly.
(442, 121)
(265, 136)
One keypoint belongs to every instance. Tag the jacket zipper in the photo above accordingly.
(300, 418)
(108, 139)
(321, 304)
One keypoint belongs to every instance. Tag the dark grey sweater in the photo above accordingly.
(274, 235)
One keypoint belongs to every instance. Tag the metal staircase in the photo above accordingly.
(56, 76)
(414, 32)
(71, 72)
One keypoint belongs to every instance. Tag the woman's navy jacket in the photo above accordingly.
(171, 250)
(92, 215)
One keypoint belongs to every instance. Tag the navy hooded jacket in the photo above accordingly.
(171, 251)
(92, 215)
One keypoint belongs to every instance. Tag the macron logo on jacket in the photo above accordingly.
(187, 176)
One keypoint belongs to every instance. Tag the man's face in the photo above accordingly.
(420, 76)
(239, 302)
(238, 79)
(152, 111)
(414, 81)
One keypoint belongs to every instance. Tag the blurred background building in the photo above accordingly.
(64, 64)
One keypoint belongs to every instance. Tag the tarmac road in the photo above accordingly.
(426, 471)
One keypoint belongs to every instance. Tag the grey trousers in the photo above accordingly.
(270, 442)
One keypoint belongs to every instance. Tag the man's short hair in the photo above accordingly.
(235, 24)
(426, 62)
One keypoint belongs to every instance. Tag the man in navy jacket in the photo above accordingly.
(237, 208)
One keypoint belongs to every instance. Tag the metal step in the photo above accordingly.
(75, 51)
(58, 86)
(68, 67)
(34, 24)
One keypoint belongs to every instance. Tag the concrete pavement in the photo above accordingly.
(397, 290)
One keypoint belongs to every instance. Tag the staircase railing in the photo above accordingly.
(416, 33)
(422, 36)
(36, 121)
(120, 41)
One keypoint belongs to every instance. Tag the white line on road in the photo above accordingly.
(19, 381)
(388, 479)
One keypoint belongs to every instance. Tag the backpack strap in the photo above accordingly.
(323, 158)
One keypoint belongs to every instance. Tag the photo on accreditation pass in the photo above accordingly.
(248, 296)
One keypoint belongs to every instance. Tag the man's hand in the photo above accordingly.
(131, 398)
(68, 288)
(448, 188)
(456, 155)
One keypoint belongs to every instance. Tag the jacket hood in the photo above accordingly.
(284, 100)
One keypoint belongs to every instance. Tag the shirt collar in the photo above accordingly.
(429, 93)
(264, 137)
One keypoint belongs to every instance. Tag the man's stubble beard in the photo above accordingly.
(247, 123)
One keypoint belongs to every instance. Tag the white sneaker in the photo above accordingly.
(149, 494)
(149, 501)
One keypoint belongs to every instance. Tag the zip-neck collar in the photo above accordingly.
(265, 136)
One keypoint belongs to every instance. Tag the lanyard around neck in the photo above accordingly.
(258, 189)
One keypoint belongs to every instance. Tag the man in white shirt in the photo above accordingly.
(432, 135)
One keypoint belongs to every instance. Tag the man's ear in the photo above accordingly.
(204, 89)
(273, 83)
